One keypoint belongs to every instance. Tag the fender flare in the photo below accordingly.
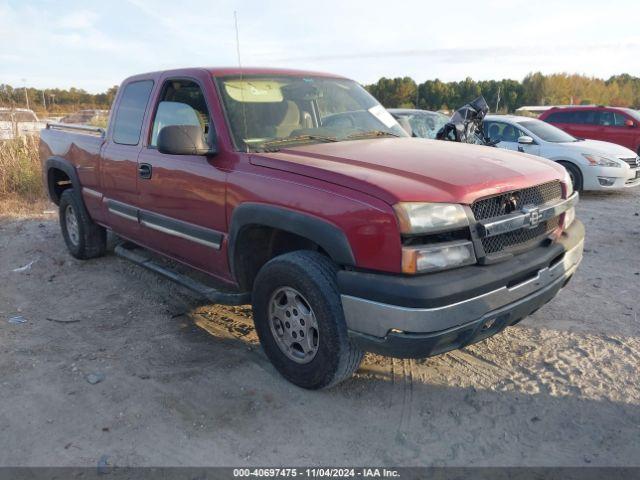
(328, 236)
(66, 166)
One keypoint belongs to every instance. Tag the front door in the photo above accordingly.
(182, 197)
(614, 128)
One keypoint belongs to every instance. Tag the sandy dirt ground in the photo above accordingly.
(186, 384)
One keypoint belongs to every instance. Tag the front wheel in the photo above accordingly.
(298, 316)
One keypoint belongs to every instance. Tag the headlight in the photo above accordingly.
(601, 160)
(568, 183)
(415, 217)
(428, 258)
(569, 217)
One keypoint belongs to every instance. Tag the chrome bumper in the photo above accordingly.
(377, 319)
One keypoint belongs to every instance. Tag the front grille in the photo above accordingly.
(503, 204)
(510, 202)
(632, 161)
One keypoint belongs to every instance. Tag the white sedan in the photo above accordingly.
(592, 164)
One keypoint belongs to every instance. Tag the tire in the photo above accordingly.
(328, 356)
(575, 174)
(84, 238)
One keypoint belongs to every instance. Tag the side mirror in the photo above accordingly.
(629, 123)
(525, 140)
(183, 140)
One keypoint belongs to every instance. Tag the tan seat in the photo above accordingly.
(287, 118)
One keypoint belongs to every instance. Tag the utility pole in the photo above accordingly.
(26, 95)
(44, 101)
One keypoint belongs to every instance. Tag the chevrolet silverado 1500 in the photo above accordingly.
(298, 192)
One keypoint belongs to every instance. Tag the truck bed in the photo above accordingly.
(79, 144)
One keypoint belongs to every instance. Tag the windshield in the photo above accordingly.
(271, 112)
(547, 132)
(425, 124)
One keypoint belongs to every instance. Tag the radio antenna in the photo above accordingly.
(244, 113)
(235, 19)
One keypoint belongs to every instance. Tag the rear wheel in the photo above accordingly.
(84, 238)
(574, 175)
(298, 316)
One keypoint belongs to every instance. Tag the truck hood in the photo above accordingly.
(602, 148)
(413, 169)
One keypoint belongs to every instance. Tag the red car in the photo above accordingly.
(610, 124)
(298, 192)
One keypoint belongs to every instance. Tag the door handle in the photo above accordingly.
(144, 170)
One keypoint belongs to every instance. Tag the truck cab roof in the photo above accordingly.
(231, 71)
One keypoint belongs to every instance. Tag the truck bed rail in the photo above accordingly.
(71, 126)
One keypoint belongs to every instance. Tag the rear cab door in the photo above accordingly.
(119, 157)
(585, 124)
(182, 198)
(579, 123)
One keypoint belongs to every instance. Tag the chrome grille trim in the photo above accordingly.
(519, 219)
(516, 221)
(633, 162)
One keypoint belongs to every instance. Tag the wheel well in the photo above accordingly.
(569, 162)
(257, 244)
(577, 167)
(58, 181)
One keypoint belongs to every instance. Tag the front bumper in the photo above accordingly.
(620, 177)
(413, 317)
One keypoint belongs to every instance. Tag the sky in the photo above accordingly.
(96, 44)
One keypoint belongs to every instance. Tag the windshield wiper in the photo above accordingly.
(371, 134)
(276, 143)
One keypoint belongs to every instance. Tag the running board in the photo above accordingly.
(137, 256)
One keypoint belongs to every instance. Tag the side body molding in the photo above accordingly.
(330, 238)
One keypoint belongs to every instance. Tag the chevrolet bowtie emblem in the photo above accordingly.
(532, 215)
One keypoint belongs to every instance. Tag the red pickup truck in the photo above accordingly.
(298, 192)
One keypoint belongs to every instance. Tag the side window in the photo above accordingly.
(606, 119)
(585, 117)
(502, 132)
(128, 122)
(619, 120)
(492, 130)
(557, 117)
(181, 103)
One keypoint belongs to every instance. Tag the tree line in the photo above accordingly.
(507, 95)
(53, 100)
